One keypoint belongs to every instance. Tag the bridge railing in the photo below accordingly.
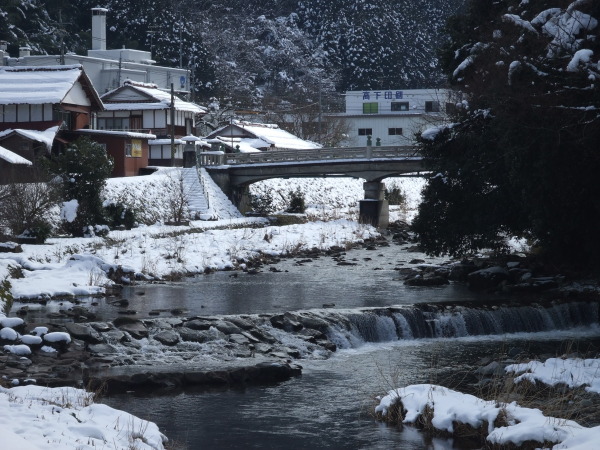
(217, 158)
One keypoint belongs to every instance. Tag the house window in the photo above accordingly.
(113, 123)
(64, 117)
(128, 148)
(189, 124)
(399, 106)
(135, 122)
(432, 106)
(370, 108)
(365, 131)
(395, 131)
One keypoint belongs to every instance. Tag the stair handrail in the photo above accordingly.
(204, 189)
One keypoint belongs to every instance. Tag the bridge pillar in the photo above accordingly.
(240, 197)
(374, 209)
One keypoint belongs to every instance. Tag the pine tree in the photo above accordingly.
(521, 156)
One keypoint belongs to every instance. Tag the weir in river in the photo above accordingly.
(352, 328)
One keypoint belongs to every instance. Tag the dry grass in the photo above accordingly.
(559, 401)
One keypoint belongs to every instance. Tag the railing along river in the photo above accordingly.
(219, 158)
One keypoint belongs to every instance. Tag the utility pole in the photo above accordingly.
(172, 126)
(120, 67)
(62, 38)
(180, 47)
(320, 112)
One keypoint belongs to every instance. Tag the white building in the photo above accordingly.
(106, 68)
(391, 117)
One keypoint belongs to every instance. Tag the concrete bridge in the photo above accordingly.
(234, 172)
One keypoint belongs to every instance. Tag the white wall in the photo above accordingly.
(411, 121)
(77, 96)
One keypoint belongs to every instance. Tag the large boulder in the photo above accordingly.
(427, 279)
(199, 324)
(135, 328)
(487, 279)
(83, 332)
(167, 337)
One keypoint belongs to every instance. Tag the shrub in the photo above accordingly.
(395, 196)
(119, 215)
(262, 203)
(38, 231)
(24, 208)
(297, 202)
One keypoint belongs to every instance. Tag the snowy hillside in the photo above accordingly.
(263, 52)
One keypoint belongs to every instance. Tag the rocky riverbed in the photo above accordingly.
(127, 352)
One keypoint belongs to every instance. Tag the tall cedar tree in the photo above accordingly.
(521, 158)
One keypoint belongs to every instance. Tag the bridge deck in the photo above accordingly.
(320, 154)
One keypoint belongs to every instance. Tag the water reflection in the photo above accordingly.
(372, 282)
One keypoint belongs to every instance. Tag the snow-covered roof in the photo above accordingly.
(265, 135)
(190, 138)
(129, 134)
(46, 137)
(144, 96)
(243, 145)
(165, 142)
(12, 157)
(37, 85)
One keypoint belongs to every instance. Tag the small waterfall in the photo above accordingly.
(354, 328)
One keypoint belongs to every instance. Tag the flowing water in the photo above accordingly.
(433, 335)
(329, 406)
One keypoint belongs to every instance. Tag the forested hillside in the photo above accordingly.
(253, 52)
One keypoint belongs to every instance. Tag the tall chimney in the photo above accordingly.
(99, 28)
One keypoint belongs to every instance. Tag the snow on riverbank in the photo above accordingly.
(79, 266)
(35, 418)
(449, 411)
(571, 372)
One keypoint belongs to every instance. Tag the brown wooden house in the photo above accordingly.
(143, 108)
(41, 107)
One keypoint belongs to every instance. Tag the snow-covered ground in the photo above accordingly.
(503, 423)
(63, 267)
(36, 418)
(571, 372)
(338, 197)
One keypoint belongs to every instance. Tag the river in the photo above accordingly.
(363, 278)
(329, 406)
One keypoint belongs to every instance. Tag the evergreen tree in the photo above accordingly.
(521, 156)
(83, 170)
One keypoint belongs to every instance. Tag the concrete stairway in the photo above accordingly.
(196, 197)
